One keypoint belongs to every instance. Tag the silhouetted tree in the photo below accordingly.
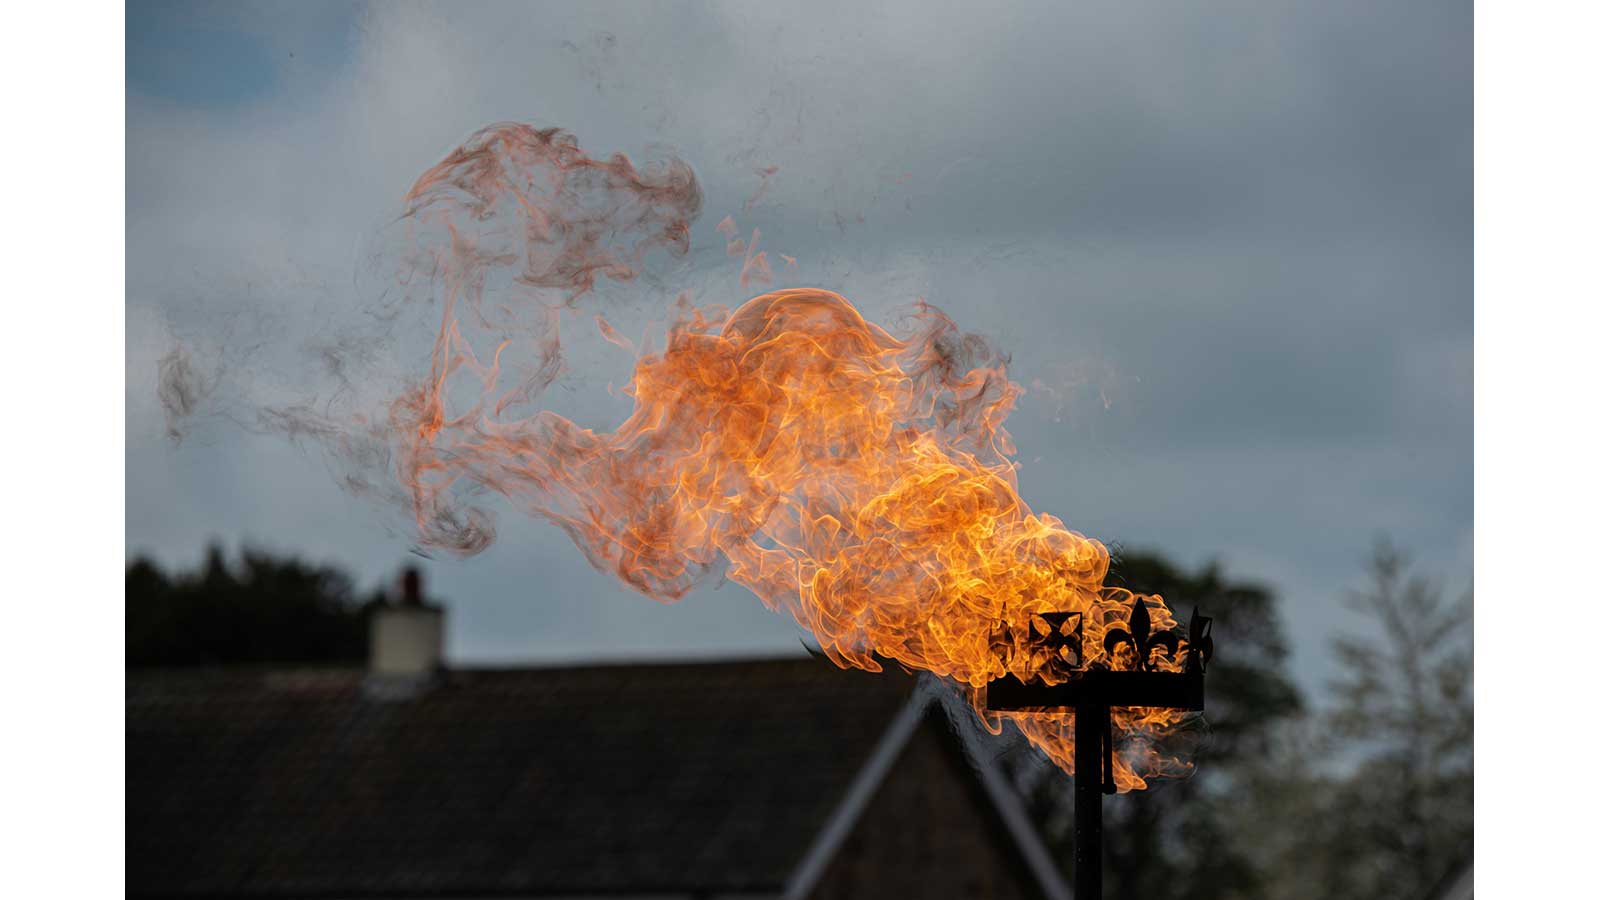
(1394, 814)
(265, 609)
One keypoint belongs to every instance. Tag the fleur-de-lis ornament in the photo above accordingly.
(1199, 643)
(1197, 648)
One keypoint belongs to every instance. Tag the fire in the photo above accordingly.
(859, 480)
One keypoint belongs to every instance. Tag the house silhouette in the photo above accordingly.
(755, 778)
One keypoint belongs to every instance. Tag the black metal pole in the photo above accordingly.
(1089, 722)
(1091, 696)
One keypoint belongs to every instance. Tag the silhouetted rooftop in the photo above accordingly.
(688, 777)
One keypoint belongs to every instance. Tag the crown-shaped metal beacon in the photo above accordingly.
(1057, 676)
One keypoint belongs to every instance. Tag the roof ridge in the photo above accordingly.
(683, 662)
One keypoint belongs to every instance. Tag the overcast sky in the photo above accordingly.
(1231, 241)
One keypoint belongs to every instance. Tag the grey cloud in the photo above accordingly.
(1252, 221)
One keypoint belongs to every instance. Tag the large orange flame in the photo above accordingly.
(859, 480)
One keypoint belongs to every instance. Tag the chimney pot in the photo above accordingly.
(407, 640)
(411, 587)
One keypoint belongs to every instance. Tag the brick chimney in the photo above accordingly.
(407, 640)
